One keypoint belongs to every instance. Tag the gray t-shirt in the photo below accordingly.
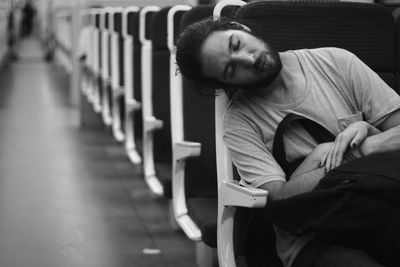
(339, 90)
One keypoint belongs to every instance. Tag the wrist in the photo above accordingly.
(369, 146)
(372, 130)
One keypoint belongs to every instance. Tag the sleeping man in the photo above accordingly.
(328, 85)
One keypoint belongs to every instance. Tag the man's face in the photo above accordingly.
(238, 58)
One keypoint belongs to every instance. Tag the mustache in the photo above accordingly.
(265, 61)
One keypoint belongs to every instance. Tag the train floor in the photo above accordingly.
(69, 196)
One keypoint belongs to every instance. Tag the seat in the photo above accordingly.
(106, 94)
(396, 15)
(194, 180)
(96, 44)
(150, 123)
(117, 70)
(84, 50)
(160, 101)
(365, 29)
(133, 118)
(160, 94)
(63, 52)
(92, 92)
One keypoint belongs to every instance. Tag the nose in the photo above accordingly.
(244, 57)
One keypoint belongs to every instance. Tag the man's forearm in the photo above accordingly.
(301, 183)
(303, 179)
(388, 140)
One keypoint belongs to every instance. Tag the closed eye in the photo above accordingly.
(236, 45)
(233, 45)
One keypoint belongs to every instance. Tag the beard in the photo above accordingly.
(268, 70)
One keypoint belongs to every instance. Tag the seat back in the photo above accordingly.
(396, 14)
(194, 193)
(97, 42)
(106, 103)
(133, 117)
(117, 75)
(150, 123)
(120, 57)
(199, 126)
(367, 30)
(108, 28)
(96, 61)
(160, 78)
(133, 29)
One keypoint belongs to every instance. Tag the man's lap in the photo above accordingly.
(319, 253)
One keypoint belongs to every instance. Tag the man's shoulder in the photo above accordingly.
(328, 59)
(238, 109)
(236, 104)
(333, 53)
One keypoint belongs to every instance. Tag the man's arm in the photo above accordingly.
(387, 140)
(305, 177)
(308, 174)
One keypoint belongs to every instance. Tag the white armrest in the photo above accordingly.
(232, 194)
(132, 104)
(119, 91)
(184, 150)
(151, 123)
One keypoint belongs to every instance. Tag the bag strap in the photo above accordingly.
(317, 131)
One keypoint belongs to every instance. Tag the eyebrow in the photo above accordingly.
(227, 65)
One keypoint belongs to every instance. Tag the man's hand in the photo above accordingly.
(351, 137)
(313, 160)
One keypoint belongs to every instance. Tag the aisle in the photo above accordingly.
(69, 197)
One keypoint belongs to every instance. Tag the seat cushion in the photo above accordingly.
(204, 212)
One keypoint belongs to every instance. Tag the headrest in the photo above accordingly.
(398, 37)
(118, 22)
(367, 30)
(147, 29)
(229, 11)
(106, 20)
(133, 26)
(130, 21)
(177, 21)
(97, 20)
(196, 14)
(158, 29)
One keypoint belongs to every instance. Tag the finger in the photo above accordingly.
(341, 150)
(357, 139)
(329, 159)
(334, 152)
(323, 160)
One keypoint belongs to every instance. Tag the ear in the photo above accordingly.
(240, 26)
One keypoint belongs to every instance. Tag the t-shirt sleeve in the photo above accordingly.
(374, 98)
(254, 162)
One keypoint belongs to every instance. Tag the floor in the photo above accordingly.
(68, 196)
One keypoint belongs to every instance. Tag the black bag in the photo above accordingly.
(355, 205)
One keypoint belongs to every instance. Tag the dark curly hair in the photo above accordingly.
(188, 53)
